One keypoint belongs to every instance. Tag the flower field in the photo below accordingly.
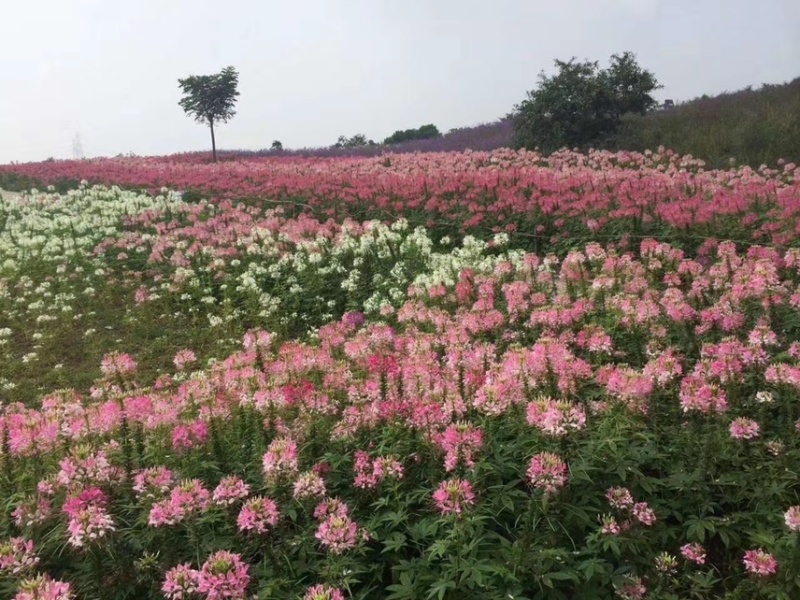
(479, 375)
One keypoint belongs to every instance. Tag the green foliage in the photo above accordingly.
(582, 104)
(276, 145)
(753, 127)
(424, 132)
(359, 140)
(210, 98)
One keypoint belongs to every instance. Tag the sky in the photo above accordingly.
(312, 70)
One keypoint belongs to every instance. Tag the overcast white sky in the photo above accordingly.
(311, 70)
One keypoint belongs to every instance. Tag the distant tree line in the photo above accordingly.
(581, 105)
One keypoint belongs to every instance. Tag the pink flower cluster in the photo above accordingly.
(223, 576)
(759, 562)
(17, 556)
(547, 472)
(694, 553)
(627, 509)
(89, 519)
(44, 587)
(370, 472)
(454, 496)
(323, 592)
(556, 418)
(280, 459)
(188, 499)
(258, 514)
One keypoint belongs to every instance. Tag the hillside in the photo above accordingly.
(753, 127)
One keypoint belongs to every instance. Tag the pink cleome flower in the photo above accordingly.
(547, 472)
(792, 518)
(760, 562)
(43, 587)
(224, 576)
(453, 496)
(323, 592)
(258, 514)
(744, 429)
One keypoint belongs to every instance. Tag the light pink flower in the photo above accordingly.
(760, 562)
(338, 533)
(323, 592)
(258, 514)
(619, 497)
(180, 583)
(547, 472)
(224, 576)
(43, 587)
(183, 358)
(17, 556)
(644, 514)
(308, 485)
(152, 483)
(280, 459)
(229, 490)
(694, 552)
(744, 429)
(453, 496)
(792, 518)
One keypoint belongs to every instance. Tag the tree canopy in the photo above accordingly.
(421, 133)
(210, 98)
(582, 104)
(357, 141)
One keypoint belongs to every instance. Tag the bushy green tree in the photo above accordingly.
(210, 98)
(582, 104)
(357, 141)
(276, 145)
(421, 133)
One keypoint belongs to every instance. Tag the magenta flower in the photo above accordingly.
(460, 442)
(32, 511)
(369, 473)
(610, 526)
(188, 499)
(186, 436)
(556, 418)
(88, 525)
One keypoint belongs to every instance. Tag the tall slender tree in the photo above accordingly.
(210, 99)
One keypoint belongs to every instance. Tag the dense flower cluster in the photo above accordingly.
(284, 406)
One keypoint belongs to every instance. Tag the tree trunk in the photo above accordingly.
(213, 142)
